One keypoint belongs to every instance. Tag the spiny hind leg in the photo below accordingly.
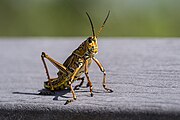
(104, 73)
(55, 63)
(79, 85)
(43, 55)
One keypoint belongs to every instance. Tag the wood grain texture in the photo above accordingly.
(143, 73)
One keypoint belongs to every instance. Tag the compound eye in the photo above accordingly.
(90, 40)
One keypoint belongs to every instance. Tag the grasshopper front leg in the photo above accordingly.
(70, 84)
(104, 72)
(87, 76)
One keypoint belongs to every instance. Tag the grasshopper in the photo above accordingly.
(75, 65)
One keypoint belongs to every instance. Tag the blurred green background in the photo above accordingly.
(146, 18)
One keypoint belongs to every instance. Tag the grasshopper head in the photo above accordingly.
(92, 45)
(91, 42)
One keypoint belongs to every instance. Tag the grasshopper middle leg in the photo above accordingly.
(81, 83)
(70, 84)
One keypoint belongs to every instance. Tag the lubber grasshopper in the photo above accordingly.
(75, 65)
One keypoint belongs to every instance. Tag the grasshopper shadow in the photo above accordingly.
(56, 94)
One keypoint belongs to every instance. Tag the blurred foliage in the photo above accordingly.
(159, 18)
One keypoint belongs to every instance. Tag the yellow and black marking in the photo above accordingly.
(75, 65)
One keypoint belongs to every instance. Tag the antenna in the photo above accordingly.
(91, 25)
(103, 24)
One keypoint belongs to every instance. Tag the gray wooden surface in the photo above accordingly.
(144, 74)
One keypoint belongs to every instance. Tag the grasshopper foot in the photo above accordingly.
(107, 89)
(69, 101)
(92, 94)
